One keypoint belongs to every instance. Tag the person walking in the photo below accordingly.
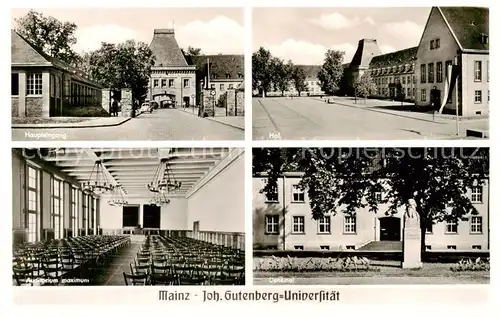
(114, 108)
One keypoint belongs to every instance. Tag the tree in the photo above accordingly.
(262, 76)
(124, 65)
(299, 79)
(193, 51)
(345, 180)
(331, 71)
(281, 74)
(53, 37)
(364, 86)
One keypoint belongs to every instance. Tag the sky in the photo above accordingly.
(214, 30)
(304, 34)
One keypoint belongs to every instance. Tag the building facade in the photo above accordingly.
(41, 86)
(394, 74)
(452, 66)
(172, 78)
(218, 72)
(284, 221)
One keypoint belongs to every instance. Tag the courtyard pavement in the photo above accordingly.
(312, 118)
(162, 124)
(220, 116)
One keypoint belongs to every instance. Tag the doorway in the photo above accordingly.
(186, 102)
(390, 229)
(436, 98)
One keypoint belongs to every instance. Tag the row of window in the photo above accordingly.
(298, 195)
(228, 76)
(427, 71)
(391, 69)
(395, 80)
(33, 210)
(352, 247)
(156, 83)
(478, 96)
(324, 225)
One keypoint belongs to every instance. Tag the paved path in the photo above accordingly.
(163, 124)
(308, 118)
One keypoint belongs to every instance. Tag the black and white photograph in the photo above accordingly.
(128, 216)
(353, 216)
(127, 74)
(370, 73)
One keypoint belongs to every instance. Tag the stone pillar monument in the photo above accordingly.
(207, 103)
(231, 102)
(126, 102)
(240, 102)
(412, 236)
(105, 100)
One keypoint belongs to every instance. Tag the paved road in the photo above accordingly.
(164, 124)
(307, 118)
(386, 280)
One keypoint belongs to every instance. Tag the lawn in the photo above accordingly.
(54, 120)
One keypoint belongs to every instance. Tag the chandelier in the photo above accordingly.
(159, 199)
(161, 185)
(117, 198)
(98, 182)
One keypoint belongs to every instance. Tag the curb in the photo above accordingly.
(66, 126)
(384, 112)
(215, 120)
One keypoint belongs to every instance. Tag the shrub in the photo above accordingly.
(479, 264)
(294, 264)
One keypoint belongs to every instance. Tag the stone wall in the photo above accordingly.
(15, 106)
(240, 102)
(207, 103)
(231, 102)
(106, 100)
(126, 102)
(34, 106)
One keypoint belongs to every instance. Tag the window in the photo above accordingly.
(439, 72)
(14, 87)
(377, 196)
(212, 86)
(476, 224)
(349, 224)
(33, 204)
(477, 194)
(350, 247)
(423, 95)
(74, 211)
(324, 247)
(272, 224)
(488, 96)
(272, 197)
(423, 74)
(170, 83)
(476, 247)
(437, 43)
(186, 83)
(408, 92)
(298, 224)
(221, 86)
(432, 44)
(484, 39)
(85, 213)
(230, 86)
(451, 247)
(34, 84)
(414, 93)
(478, 96)
(57, 221)
(298, 247)
(428, 247)
(431, 72)
(477, 70)
(155, 83)
(451, 227)
(324, 224)
(163, 83)
(297, 194)
(404, 80)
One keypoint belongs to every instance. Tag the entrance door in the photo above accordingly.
(186, 102)
(436, 98)
(390, 229)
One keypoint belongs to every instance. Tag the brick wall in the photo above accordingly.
(34, 106)
(240, 103)
(15, 107)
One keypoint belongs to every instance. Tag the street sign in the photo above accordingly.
(212, 92)
(192, 96)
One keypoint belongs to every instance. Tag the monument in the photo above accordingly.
(412, 236)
